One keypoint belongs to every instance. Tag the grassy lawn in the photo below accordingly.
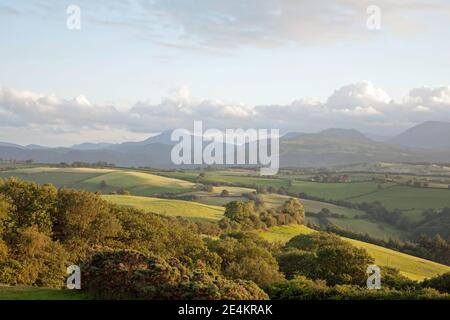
(175, 208)
(34, 293)
(413, 267)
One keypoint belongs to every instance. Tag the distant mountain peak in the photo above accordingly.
(426, 135)
(36, 147)
(163, 138)
(343, 133)
(91, 146)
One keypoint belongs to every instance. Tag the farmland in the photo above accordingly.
(104, 180)
(412, 201)
(144, 187)
(176, 208)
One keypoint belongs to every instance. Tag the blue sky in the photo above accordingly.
(242, 53)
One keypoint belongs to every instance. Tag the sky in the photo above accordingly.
(137, 67)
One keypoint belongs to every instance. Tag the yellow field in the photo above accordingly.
(140, 183)
(412, 267)
(61, 170)
(175, 208)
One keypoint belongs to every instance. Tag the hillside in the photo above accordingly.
(176, 208)
(104, 180)
(412, 267)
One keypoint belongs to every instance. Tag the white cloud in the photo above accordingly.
(360, 105)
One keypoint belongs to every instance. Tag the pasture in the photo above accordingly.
(175, 208)
(104, 180)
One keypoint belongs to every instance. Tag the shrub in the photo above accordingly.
(132, 275)
(440, 283)
(246, 258)
(32, 205)
(329, 258)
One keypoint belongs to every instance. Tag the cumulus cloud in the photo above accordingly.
(360, 105)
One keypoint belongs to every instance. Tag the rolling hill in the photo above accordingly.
(412, 267)
(176, 208)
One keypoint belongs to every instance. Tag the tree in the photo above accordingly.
(34, 259)
(342, 264)
(293, 262)
(5, 209)
(133, 275)
(82, 220)
(32, 204)
(332, 259)
(295, 209)
(440, 283)
(123, 192)
(165, 237)
(239, 211)
(225, 193)
(244, 257)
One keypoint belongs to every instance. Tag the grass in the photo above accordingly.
(34, 293)
(412, 200)
(276, 200)
(333, 191)
(412, 267)
(187, 209)
(60, 170)
(59, 179)
(284, 233)
(374, 229)
(139, 183)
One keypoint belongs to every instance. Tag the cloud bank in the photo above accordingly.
(362, 106)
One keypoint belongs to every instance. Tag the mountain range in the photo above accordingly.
(426, 142)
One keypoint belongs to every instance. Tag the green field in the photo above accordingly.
(137, 183)
(374, 229)
(334, 191)
(412, 200)
(176, 208)
(57, 176)
(413, 267)
(35, 293)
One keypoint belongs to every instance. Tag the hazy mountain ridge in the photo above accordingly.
(330, 147)
(427, 135)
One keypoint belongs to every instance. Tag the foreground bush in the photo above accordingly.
(324, 256)
(301, 288)
(133, 275)
(246, 257)
(440, 283)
